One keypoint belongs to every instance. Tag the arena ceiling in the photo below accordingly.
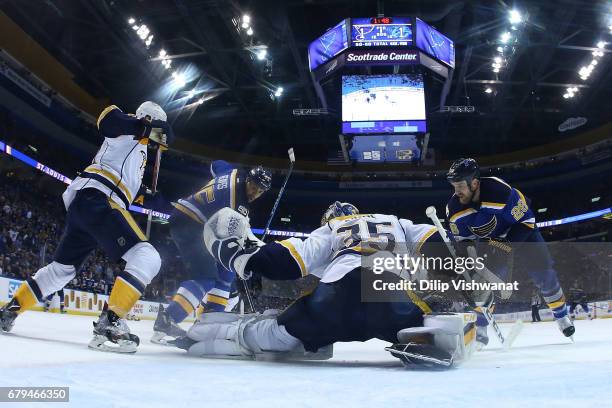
(524, 107)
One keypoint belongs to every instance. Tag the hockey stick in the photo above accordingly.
(280, 194)
(267, 228)
(156, 166)
(506, 341)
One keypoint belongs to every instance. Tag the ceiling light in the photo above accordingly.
(261, 54)
(245, 25)
(131, 21)
(250, 31)
(488, 90)
(505, 37)
(601, 44)
(179, 80)
(246, 19)
(515, 17)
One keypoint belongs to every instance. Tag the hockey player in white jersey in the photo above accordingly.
(334, 311)
(96, 203)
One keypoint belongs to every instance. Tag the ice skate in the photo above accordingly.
(165, 329)
(8, 314)
(112, 334)
(567, 327)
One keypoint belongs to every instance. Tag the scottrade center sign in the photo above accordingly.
(381, 57)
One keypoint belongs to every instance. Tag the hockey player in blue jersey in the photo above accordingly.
(488, 209)
(210, 284)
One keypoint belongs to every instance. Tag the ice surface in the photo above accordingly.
(543, 369)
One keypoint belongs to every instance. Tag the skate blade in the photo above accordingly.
(159, 338)
(101, 343)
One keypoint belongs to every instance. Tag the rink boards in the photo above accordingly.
(80, 302)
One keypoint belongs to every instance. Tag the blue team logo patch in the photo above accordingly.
(12, 288)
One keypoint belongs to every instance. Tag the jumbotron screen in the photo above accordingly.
(383, 104)
(327, 46)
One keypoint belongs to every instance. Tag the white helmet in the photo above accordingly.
(151, 109)
(338, 209)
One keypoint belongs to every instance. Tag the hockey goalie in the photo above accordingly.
(334, 311)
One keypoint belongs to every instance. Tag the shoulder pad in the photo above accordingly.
(494, 191)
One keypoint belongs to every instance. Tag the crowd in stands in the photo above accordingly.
(31, 223)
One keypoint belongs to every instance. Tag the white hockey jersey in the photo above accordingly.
(333, 250)
(119, 165)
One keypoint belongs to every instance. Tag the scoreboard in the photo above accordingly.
(381, 31)
(381, 34)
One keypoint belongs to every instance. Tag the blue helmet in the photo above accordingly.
(463, 169)
(338, 209)
(261, 177)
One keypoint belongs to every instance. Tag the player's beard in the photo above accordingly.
(466, 199)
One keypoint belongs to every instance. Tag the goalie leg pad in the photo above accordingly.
(454, 333)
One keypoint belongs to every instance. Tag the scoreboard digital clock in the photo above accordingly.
(381, 31)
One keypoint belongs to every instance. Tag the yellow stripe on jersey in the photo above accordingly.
(216, 299)
(129, 219)
(104, 113)
(425, 237)
(183, 303)
(348, 217)
(187, 212)
(122, 297)
(529, 224)
(558, 303)
(462, 213)
(26, 297)
(492, 205)
(296, 256)
(419, 302)
(233, 189)
(522, 197)
(114, 179)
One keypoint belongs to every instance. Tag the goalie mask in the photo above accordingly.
(151, 109)
(338, 209)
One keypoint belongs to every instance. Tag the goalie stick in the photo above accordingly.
(506, 341)
(270, 218)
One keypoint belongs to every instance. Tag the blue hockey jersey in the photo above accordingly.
(500, 207)
(227, 189)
